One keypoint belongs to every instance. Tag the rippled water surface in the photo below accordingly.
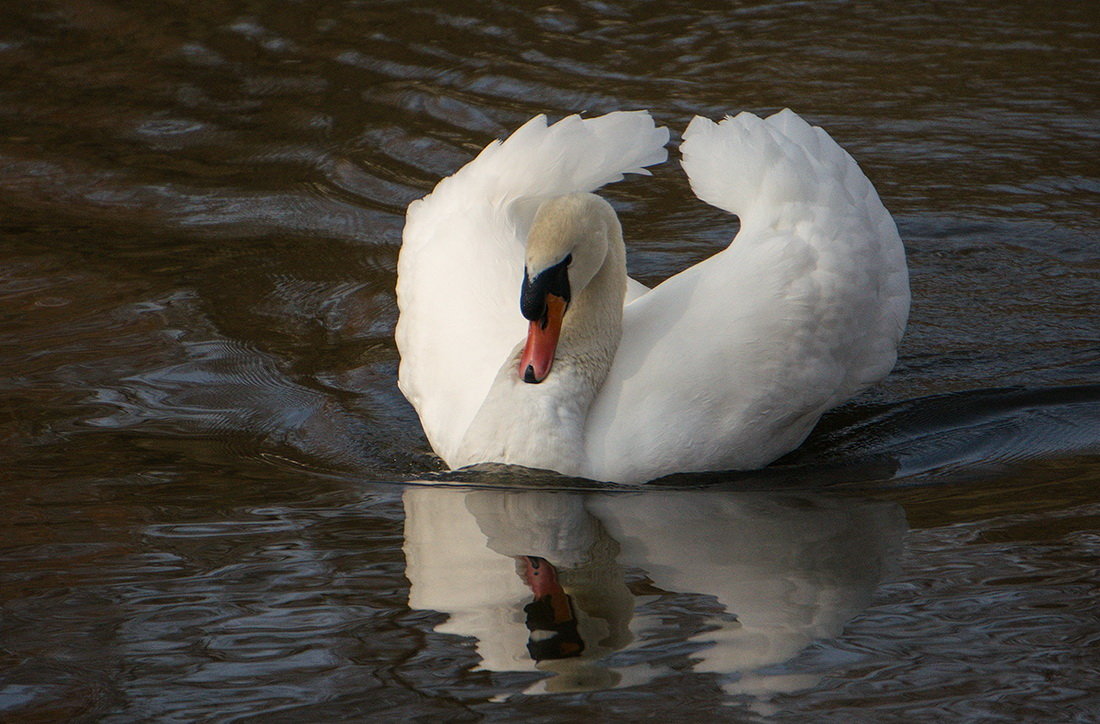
(209, 478)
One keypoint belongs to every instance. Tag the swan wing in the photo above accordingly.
(729, 364)
(461, 260)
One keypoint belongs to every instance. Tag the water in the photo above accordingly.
(209, 476)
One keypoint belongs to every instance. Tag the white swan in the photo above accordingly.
(726, 365)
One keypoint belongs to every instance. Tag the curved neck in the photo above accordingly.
(542, 425)
(593, 323)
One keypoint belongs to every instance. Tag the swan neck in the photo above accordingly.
(542, 425)
(593, 323)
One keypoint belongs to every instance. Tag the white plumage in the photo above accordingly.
(726, 365)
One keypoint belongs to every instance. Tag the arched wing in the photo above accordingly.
(730, 363)
(461, 260)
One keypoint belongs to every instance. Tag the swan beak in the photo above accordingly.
(551, 618)
(542, 301)
(542, 341)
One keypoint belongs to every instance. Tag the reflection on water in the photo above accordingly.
(756, 577)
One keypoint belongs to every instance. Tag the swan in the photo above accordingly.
(523, 341)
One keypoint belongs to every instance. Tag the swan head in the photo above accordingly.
(567, 246)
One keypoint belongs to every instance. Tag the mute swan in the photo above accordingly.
(726, 365)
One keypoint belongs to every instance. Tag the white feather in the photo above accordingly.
(730, 363)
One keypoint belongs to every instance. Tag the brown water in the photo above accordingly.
(206, 459)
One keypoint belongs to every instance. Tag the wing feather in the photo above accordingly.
(730, 363)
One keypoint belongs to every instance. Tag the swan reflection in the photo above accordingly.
(590, 588)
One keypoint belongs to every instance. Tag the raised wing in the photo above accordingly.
(730, 363)
(462, 252)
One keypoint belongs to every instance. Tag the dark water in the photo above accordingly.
(205, 458)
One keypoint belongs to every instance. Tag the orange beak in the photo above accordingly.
(542, 341)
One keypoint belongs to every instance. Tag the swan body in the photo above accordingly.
(726, 365)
